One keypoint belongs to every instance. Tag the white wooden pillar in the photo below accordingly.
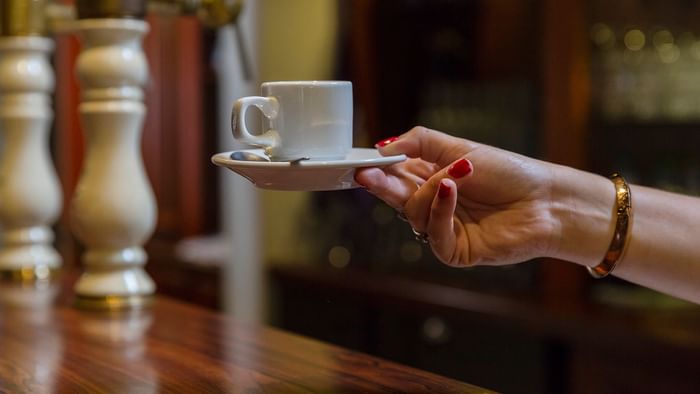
(30, 196)
(113, 211)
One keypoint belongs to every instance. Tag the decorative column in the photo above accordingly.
(30, 197)
(113, 211)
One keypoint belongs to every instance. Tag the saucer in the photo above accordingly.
(308, 175)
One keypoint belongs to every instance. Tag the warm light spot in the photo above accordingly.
(635, 40)
(339, 257)
(602, 36)
(661, 38)
(42, 272)
(695, 50)
(669, 53)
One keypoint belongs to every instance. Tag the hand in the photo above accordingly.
(477, 204)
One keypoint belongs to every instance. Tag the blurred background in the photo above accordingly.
(598, 85)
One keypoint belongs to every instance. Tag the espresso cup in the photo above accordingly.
(311, 119)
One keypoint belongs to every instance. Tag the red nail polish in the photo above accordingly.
(385, 142)
(461, 168)
(444, 190)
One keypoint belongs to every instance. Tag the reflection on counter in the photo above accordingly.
(121, 333)
(29, 309)
(120, 338)
(32, 340)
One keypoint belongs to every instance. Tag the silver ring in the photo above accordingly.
(401, 215)
(420, 237)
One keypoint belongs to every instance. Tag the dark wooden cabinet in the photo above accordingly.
(508, 343)
(601, 369)
(503, 358)
(429, 337)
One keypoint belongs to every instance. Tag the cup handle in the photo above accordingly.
(269, 106)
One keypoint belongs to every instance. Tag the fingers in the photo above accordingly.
(428, 204)
(395, 184)
(429, 145)
(420, 168)
(393, 189)
(441, 226)
(418, 206)
(430, 151)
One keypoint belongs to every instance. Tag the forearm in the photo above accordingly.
(663, 250)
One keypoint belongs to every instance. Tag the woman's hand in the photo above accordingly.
(476, 203)
(483, 205)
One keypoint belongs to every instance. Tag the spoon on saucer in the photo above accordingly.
(247, 156)
(250, 156)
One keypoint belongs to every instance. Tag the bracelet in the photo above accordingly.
(623, 216)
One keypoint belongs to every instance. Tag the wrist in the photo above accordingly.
(583, 210)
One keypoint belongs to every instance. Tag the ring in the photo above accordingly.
(401, 215)
(420, 237)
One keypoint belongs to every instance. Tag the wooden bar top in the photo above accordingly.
(46, 345)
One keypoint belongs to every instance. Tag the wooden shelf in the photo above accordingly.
(566, 319)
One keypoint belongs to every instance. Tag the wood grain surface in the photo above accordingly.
(46, 345)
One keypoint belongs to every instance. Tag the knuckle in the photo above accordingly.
(451, 261)
(418, 130)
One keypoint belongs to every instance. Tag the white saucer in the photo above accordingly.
(310, 175)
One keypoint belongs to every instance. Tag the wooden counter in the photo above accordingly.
(46, 345)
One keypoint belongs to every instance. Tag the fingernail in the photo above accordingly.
(461, 168)
(385, 142)
(444, 190)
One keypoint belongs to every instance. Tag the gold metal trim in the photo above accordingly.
(623, 218)
(22, 17)
(30, 274)
(218, 13)
(113, 302)
(88, 9)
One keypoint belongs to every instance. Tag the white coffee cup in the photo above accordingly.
(301, 119)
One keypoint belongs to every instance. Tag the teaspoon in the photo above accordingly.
(250, 156)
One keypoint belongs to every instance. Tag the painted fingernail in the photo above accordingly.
(385, 142)
(460, 169)
(444, 190)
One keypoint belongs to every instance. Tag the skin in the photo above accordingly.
(511, 208)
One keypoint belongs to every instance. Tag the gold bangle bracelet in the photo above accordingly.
(623, 219)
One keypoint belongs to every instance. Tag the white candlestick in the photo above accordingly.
(30, 197)
(114, 210)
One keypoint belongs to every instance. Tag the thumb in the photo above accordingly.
(430, 145)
